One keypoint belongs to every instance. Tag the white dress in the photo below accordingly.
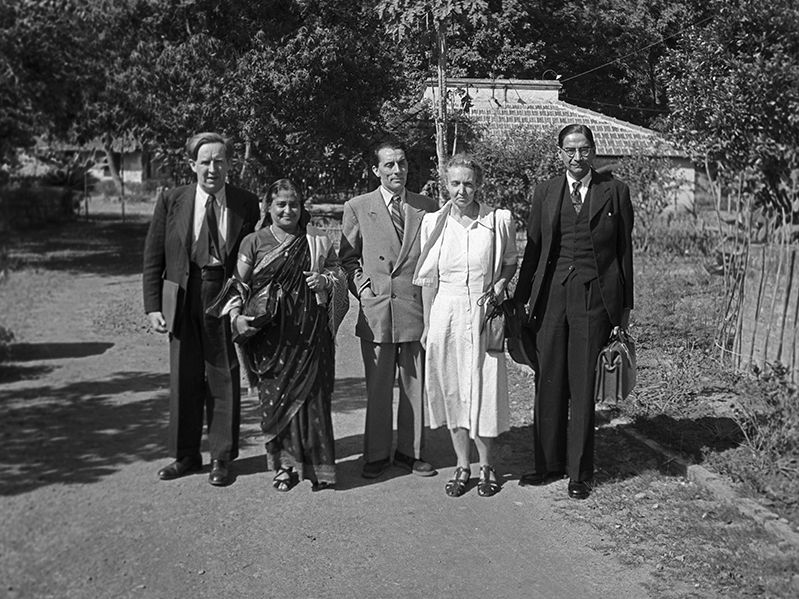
(466, 387)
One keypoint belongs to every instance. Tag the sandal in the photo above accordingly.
(487, 486)
(285, 479)
(457, 484)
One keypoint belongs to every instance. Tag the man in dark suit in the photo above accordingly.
(576, 284)
(379, 251)
(190, 251)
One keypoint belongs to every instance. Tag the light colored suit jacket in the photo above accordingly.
(373, 256)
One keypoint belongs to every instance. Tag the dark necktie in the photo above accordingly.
(213, 228)
(396, 215)
(577, 199)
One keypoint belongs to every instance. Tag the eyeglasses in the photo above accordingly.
(584, 152)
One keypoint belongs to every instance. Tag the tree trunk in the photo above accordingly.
(441, 116)
(247, 155)
(112, 167)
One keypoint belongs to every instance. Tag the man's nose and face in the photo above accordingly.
(391, 169)
(211, 167)
(577, 154)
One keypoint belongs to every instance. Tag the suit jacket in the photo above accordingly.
(611, 224)
(167, 248)
(373, 256)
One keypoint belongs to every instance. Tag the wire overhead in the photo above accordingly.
(660, 41)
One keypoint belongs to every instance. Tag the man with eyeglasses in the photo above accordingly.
(575, 284)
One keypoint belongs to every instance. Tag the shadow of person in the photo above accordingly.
(27, 352)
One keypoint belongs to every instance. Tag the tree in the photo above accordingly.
(732, 89)
(401, 17)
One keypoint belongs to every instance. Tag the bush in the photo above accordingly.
(514, 163)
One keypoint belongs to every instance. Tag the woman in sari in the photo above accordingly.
(285, 304)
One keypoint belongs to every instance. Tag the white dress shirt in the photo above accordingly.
(220, 207)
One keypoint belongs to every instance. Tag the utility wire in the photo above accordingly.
(660, 41)
(615, 105)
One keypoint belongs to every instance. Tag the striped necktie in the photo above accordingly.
(396, 215)
(577, 199)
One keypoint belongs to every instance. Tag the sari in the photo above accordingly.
(293, 359)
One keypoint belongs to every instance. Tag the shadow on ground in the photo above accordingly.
(27, 352)
(105, 246)
(693, 437)
(80, 432)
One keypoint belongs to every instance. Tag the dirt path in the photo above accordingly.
(84, 408)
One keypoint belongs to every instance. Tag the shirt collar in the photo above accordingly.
(584, 182)
(387, 195)
(202, 196)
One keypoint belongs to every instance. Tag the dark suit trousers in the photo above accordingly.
(574, 328)
(204, 375)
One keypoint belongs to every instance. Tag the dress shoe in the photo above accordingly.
(219, 473)
(181, 467)
(418, 467)
(579, 489)
(376, 468)
(538, 479)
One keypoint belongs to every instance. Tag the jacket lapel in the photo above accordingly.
(184, 217)
(379, 214)
(235, 216)
(600, 195)
(413, 220)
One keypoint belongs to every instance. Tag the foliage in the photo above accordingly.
(514, 161)
(652, 186)
(732, 91)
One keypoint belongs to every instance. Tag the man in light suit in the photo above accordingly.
(190, 251)
(379, 251)
(576, 283)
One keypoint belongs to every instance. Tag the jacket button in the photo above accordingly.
(380, 258)
(393, 296)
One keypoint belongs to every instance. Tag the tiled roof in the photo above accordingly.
(612, 136)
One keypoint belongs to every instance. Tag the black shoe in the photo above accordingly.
(219, 476)
(538, 479)
(418, 467)
(579, 489)
(376, 468)
(181, 467)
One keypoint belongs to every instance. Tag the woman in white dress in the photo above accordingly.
(468, 255)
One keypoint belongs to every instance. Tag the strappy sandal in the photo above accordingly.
(285, 479)
(457, 484)
(487, 486)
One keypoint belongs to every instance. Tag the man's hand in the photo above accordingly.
(157, 322)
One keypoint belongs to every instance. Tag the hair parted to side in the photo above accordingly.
(196, 141)
(575, 128)
(287, 185)
(466, 161)
(384, 141)
(282, 185)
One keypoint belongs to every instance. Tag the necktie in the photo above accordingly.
(213, 228)
(396, 215)
(577, 199)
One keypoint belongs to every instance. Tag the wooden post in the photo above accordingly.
(441, 116)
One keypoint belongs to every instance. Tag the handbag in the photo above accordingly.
(519, 339)
(615, 368)
(264, 306)
(494, 323)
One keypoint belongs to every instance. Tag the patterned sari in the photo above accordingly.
(293, 357)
